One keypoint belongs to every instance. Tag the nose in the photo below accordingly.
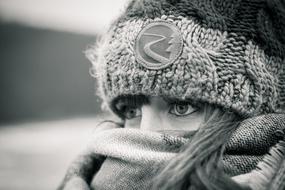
(151, 119)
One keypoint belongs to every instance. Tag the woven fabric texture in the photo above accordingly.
(129, 158)
(135, 156)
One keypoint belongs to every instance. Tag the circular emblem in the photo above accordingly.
(158, 45)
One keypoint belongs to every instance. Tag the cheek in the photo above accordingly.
(133, 123)
(187, 123)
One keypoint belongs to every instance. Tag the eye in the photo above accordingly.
(182, 109)
(129, 106)
(132, 112)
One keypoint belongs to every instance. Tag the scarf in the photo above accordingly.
(130, 158)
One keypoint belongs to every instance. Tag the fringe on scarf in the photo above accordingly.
(269, 173)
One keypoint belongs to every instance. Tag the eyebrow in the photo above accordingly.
(173, 100)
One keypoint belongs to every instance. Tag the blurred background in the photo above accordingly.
(48, 106)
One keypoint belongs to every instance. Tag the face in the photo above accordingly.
(159, 113)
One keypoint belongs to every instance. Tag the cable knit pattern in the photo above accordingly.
(232, 56)
(215, 66)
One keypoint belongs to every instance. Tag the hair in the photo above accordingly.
(199, 163)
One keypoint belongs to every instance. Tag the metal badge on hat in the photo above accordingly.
(158, 45)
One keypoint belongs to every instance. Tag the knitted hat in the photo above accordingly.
(224, 52)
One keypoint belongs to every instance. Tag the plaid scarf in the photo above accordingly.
(130, 158)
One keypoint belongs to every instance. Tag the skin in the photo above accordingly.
(155, 114)
(160, 113)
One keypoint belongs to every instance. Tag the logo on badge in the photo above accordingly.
(158, 45)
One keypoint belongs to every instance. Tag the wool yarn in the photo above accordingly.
(224, 52)
(128, 158)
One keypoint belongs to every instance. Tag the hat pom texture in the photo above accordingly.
(232, 54)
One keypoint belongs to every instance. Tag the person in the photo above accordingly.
(199, 86)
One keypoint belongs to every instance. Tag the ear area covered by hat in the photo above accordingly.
(230, 53)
